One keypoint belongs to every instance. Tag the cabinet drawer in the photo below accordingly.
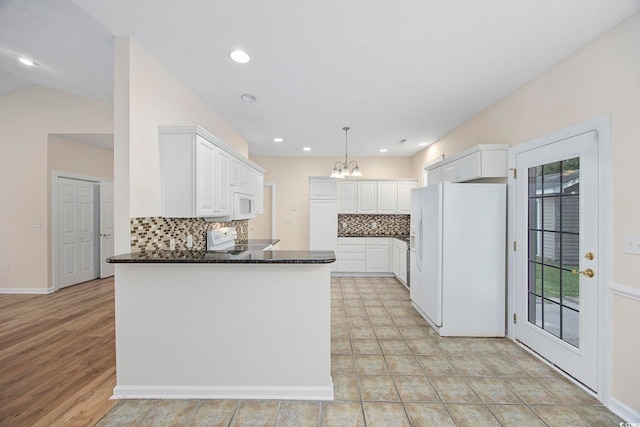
(351, 256)
(351, 249)
(353, 266)
(351, 241)
(377, 240)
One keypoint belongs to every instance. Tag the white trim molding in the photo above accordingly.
(626, 291)
(211, 392)
(623, 411)
(30, 291)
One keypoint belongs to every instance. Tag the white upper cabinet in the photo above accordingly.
(197, 172)
(222, 184)
(367, 197)
(387, 197)
(375, 197)
(404, 196)
(347, 201)
(205, 178)
(323, 189)
(481, 161)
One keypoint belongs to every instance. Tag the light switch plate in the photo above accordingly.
(172, 244)
(189, 241)
(632, 244)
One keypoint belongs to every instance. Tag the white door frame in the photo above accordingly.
(601, 124)
(273, 207)
(54, 220)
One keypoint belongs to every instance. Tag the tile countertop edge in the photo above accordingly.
(212, 257)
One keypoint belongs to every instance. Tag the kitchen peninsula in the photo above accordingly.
(211, 325)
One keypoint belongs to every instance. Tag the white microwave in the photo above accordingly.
(244, 206)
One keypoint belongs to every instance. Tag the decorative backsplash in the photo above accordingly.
(153, 233)
(373, 225)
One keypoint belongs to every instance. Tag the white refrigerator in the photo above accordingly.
(458, 244)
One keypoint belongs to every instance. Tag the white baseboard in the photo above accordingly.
(349, 274)
(211, 392)
(623, 411)
(31, 291)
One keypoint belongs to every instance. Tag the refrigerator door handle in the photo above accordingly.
(419, 243)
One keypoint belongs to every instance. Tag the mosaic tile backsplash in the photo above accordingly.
(153, 233)
(363, 225)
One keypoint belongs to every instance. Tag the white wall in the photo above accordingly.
(291, 175)
(28, 116)
(147, 95)
(603, 77)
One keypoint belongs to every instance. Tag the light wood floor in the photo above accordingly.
(57, 356)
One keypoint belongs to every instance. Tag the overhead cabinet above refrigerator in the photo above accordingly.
(458, 241)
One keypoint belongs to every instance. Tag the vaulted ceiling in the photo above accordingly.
(391, 70)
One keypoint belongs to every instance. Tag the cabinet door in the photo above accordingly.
(367, 194)
(205, 179)
(434, 176)
(222, 184)
(323, 189)
(404, 196)
(396, 262)
(469, 167)
(235, 171)
(347, 191)
(377, 259)
(387, 197)
(450, 172)
(402, 266)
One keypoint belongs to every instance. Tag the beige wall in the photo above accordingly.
(291, 175)
(28, 116)
(603, 77)
(147, 95)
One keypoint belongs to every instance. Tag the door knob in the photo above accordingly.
(588, 272)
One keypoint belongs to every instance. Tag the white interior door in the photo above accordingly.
(556, 268)
(106, 228)
(76, 232)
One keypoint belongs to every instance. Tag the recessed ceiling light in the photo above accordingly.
(422, 144)
(239, 56)
(383, 150)
(247, 97)
(306, 149)
(278, 139)
(27, 61)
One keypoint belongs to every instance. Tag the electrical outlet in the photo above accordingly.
(172, 244)
(632, 244)
(374, 225)
(38, 223)
(344, 224)
(189, 241)
(287, 220)
(5, 267)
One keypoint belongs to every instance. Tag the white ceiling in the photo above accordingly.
(391, 70)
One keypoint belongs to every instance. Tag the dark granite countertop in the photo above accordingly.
(220, 257)
(401, 237)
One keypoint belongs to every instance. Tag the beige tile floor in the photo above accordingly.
(391, 369)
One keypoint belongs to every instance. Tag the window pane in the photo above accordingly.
(535, 310)
(570, 248)
(535, 246)
(571, 326)
(551, 283)
(551, 213)
(535, 214)
(571, 214)
(535, 278)
(551, 178)
(551, 317)
(571, 290)
(571, 176)
(535, 181)
(551, 248)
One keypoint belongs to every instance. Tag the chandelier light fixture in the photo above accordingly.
(346, 168)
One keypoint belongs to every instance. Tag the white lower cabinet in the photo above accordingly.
(323, 218)
(363, 255)
(400, 260)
